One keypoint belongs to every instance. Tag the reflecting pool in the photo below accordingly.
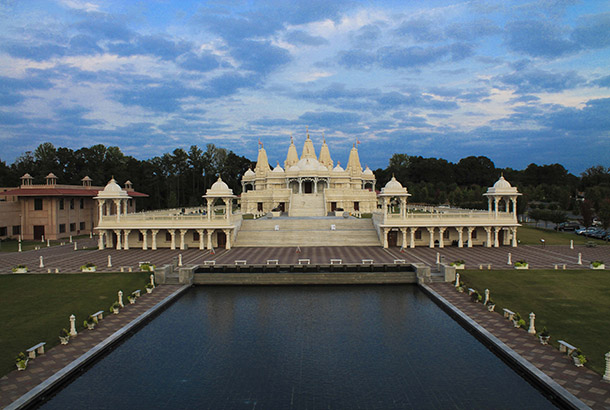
(301, 347)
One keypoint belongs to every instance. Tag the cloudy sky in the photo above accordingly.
(517, 81)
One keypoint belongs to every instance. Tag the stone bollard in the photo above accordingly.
(152, 280)
(607, 373)
(42, 239)
(75, 246)
(457, 280)
(70, 238)
(48, 243)
(121, 299)
(571, 243)
(180, 260)
(486, 296)
(19, 246)
(579, 258)
(532, 329)
(56, 270)
(73, 331)
(438, 258)
(41, 262)
(509, 261)
(109, 261)
(49, 270)
(90, 235)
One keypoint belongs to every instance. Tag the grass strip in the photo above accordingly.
(36, 307)
(572, 304)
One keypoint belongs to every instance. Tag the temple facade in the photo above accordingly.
(308, 185)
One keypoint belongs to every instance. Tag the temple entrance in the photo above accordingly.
(38, 232)
(501, 237)
(356, 206)
(393, 238)
(307, 187)
(333, 206)
(221, 238)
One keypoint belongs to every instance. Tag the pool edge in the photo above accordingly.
(34, 394)
(538, 375)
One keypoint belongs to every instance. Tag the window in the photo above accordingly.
(82, 226)
(16, 229)
(72, 227)
(418, 234)
(82, 203)
(195, 236)
(61, 204)
(72, 203)
(37, 204)
(3, 230)
(62, 228)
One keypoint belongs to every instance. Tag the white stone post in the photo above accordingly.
(19, 246)
(41, 262)
(509, 261)
(73, 331)
(152, 280)
(90, 235)
(109, 261)
(571, 243)
(579, 258)
(70, 238)
(457, 280)
(532, 329)
(180, 260)
(100, 242)
(607, 373)
(42, 239)
(486, 296)
(49, 243)
(75, 246)
(438, 258)
(121, 298)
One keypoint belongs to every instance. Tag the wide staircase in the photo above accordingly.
(307, 232)
(307, 205)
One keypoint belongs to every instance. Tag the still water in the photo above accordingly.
(301, 347)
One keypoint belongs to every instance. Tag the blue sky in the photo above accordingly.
(518, 81)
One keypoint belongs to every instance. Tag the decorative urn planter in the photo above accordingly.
(88, 269)
(459, 266)
(90, 326)
(526, 266)
(20, 270)
(577, 361)
(115, 311)
(491, 307)
(64, 339)
(599, 266)
(544, 340)
(149, 290)
(22, 364)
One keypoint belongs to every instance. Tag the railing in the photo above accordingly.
(438, 216)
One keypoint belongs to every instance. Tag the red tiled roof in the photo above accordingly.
(61, 192)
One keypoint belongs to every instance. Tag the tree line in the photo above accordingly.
(179, 178)
(171, 180)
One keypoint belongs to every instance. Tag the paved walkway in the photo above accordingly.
(17, 383)
(581, 382)
(66, 259)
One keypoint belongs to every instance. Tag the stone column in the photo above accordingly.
(100, 241)
(488, 242)
(412, 232)
(315, 185)
(469, 242)
(532, 328)
(144, 233)
(441, 242)
(153, 234)
(73, 331)
(489, 204)
(209, 212)
(100, 205)
(460, 230)
(300, 186)
(201, 245)
(209, 232)
(172, 232)
(496, 232)
(404, 237)
(182, 233)
(228, 235)
(117, 203)
(514, 238)
(385, 237)
(384, 201)
(431, 243)
(118, 238)
(126, 245)
(496, 202)
(514, 201)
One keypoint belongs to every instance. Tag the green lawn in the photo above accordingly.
(36, 307)
(531, 236)
(573, 305)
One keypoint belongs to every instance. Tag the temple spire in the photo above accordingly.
(262, 162)
(353, 163)
(292, 157)
(308, 149)
(325, 158)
